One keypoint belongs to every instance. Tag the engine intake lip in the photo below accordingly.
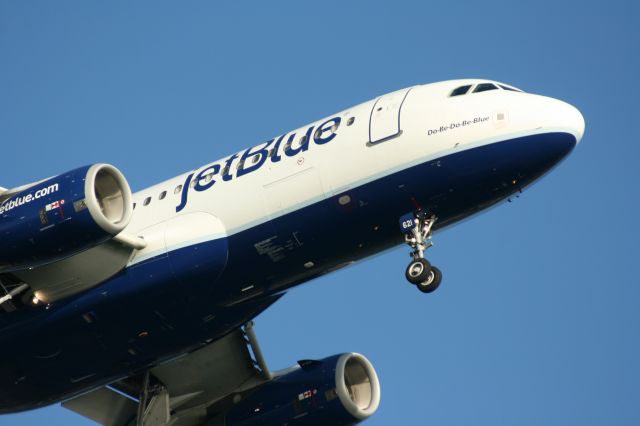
(357, 385)
(108, 198)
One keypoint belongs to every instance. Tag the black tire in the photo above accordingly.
(418, 271)
(432, 282)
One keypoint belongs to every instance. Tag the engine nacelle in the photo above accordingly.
(339, 390)
(63, 215)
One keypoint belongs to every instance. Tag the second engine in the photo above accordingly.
(340, 390)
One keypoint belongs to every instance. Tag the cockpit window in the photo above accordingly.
(513, 89)
(462, 90)
(483, 87)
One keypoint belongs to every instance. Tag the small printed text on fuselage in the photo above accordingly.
(457, 125)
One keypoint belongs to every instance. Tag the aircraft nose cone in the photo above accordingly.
(575, 120)
(570, 117)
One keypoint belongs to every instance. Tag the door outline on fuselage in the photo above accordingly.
(287, 194)
(392, 115)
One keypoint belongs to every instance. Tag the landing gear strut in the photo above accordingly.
(417, 229)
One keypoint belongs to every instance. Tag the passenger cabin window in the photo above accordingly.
(462, 90)
(146, 201)
(350, 121)
(162, 195)
(178, 189)
(483, 87)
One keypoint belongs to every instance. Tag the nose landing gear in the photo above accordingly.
(417, 229)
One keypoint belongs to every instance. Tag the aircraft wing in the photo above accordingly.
(183, 392)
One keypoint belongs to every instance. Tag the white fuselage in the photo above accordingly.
(422, 123)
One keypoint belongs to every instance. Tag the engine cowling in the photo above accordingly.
(340, 390)
(63, 215)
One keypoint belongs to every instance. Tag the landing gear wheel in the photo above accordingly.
(416, 227)
(418, 271)
(432, 282)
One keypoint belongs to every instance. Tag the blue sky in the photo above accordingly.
(537, 321)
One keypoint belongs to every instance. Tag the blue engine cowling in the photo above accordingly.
(62, 215)
(340, 390)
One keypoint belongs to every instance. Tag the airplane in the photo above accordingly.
(137, 309)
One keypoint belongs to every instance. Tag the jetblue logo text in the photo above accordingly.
(287, 145)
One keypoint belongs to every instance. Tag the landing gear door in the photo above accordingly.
(385, 117)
